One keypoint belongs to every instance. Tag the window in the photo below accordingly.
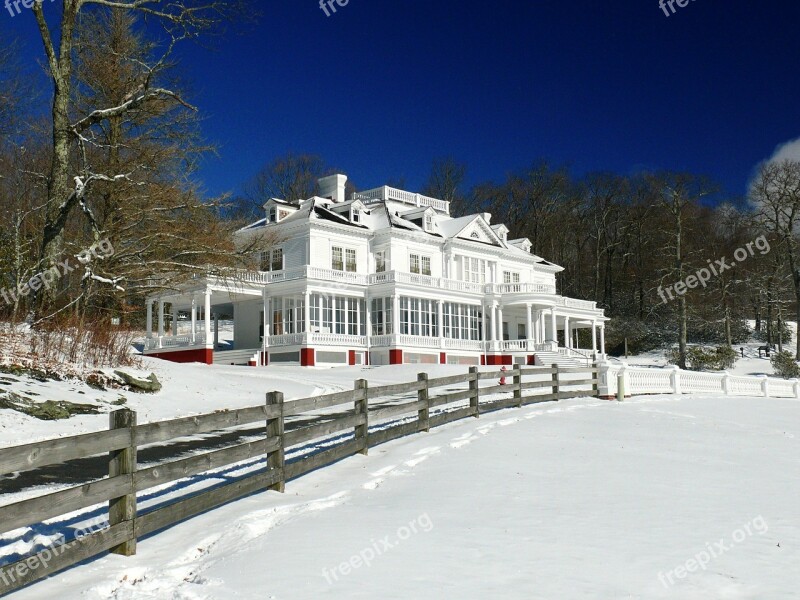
(521, 331)
(421, 265)
(381, 316)
(277, 260)
(271, 260)
(337, 260)
(350, 262)
(380, 261)
(462, 321)
(355, 217)
(273, 215)
(413, 263)
(509, 277)
(428, 223)
(418, 317)
(340, 316)
(352, 316)
(474, 270)
(426, 265)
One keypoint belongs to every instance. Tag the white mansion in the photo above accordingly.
(386, 277)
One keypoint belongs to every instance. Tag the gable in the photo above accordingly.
(479, 231)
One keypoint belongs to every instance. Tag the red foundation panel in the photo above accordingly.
(497, 360)
(308, 357)
(442, 358)
(351, 357)
(395, 357)
(197, 355)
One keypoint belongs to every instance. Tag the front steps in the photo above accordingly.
(236, 357)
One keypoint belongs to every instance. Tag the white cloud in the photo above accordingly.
(788, 151)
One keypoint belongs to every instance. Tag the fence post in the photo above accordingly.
(594, 373)
(362, 408)
(276, 460)
(123, 462)
(765, 386)
(556, 382)
(675, 379)
(474, 399)
(518, 386)
(796, 388)
(726, 383)
(423, 395)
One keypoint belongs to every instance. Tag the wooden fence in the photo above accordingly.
(365, 422)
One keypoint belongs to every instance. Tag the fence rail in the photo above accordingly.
(351, 422)
(644, 380)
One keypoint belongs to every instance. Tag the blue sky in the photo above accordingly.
(383, 86)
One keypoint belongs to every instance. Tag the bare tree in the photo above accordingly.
(71, 174)
(776, 194)
(292, 177)
(445, 182)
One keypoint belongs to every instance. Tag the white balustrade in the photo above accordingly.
(644, 380)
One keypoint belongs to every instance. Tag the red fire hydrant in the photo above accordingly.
(503, 376)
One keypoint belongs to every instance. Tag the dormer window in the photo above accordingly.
(273, 215)
(355, 215)
(429, 223)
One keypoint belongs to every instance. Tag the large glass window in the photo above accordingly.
(381, 316)
(462, 321)
(418, 317)
(510, 277)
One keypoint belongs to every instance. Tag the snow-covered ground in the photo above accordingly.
(580, 499)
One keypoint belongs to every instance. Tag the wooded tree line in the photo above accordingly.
(114, 157)
(108, 152)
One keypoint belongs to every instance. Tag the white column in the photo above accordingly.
(160, 318)
(208, 317)
(194, 318)
(529, 324)
(265, 319)
(216, 330)
(500, 323)
(594, 336)
(602, 340)
(553, 326)
(567, 333)
(542, 327)
(440, 321)
(484, 324)
(494, 323)
(174, 319)
(149, 324)
(368, 317)
(396, 314)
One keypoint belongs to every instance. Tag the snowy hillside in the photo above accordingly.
(659, 497)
